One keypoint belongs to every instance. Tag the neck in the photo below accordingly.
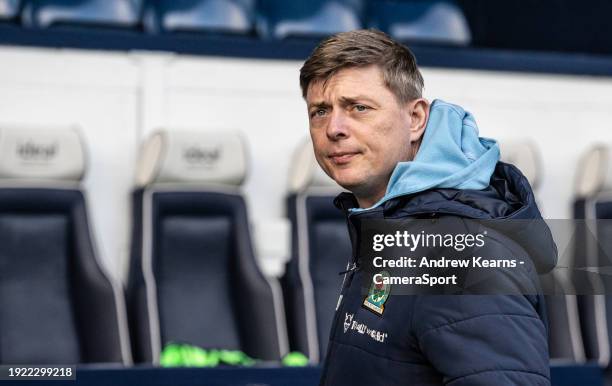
(370, 200)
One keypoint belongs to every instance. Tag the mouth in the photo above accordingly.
(341, 158)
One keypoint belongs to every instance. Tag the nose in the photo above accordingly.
(338, 125)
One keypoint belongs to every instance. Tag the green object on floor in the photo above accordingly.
(236, 358)
(171, 356)
(185, 355)
(295, 359)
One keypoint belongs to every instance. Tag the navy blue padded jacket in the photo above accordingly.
(455, 340)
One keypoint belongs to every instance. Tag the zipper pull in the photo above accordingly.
(353, 267)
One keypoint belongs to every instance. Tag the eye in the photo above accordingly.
(360, 108)
(318, 113)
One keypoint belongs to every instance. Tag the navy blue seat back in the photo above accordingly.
(208, 290)
(58, 303)
(320, 250)
(280, 19)
(99, 13)
(593, 304)
(193, 275)
(565, 336)
(592, 246)
(426, 21)
(603, 232)
(221, 16)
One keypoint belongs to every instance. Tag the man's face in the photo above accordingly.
(358, 129)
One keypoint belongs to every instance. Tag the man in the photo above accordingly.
(401, 157)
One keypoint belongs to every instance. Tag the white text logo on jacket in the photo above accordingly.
(350, 324)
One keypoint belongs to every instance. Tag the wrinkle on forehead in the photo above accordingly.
(347, 76)
(352, 84)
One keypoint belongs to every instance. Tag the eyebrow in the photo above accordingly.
(318, 105)
(344, 100)
(350, 100)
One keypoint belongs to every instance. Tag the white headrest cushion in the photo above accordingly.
(594, 172)
(523, 154)
(217, 157)
(306, 173)
(48, 154)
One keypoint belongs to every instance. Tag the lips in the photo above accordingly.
(340, 158)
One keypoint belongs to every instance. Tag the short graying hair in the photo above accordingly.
(363, 48)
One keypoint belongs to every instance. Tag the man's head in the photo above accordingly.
(366, 113)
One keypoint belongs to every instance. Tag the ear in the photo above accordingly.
(418, 109)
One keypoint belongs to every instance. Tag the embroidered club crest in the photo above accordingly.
(378, 295)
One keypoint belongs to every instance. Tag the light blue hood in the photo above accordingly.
(451, 155)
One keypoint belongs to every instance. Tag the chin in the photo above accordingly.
(348, 181)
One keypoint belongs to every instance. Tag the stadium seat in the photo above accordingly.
(9, 9)
(58, 304)
(525, 155)
(100, 13)
(194, 278)
(279, 19)
(427, 21)
(225, 16)
(321, 249)
(565, 337)
(592, 248)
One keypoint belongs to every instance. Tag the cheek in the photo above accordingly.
(389, 147)
(317, 143)
(319, 153)
(380, 142)
(318, 148)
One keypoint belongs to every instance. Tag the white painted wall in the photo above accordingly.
(99, 93)
(119, 98)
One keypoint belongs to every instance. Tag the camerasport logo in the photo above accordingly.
(201, 156)
(350, 324)
(30, 151)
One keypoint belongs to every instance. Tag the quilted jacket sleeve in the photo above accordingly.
(483, 340)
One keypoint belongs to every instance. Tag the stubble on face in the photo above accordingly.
(359, 130)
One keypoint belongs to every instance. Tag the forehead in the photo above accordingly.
(348, 82)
